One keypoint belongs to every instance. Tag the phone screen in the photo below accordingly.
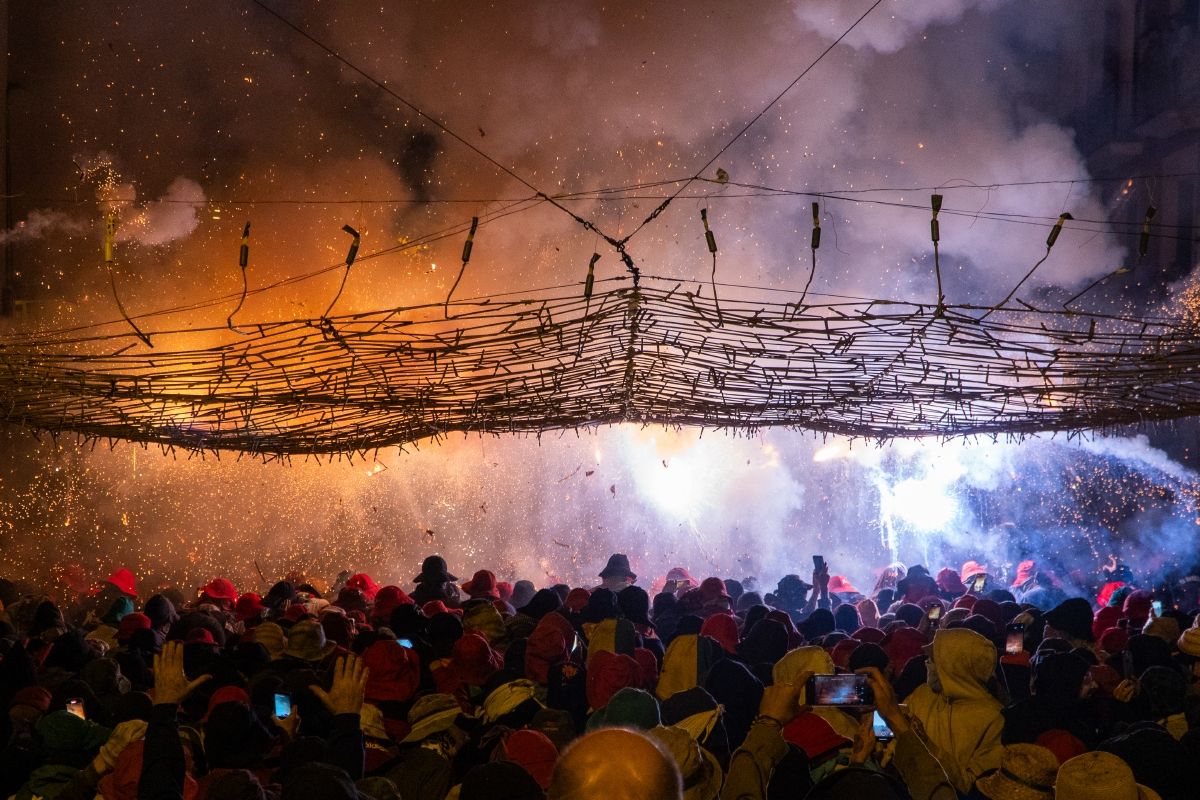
(1157, 605)
(1015, 643)
(75, 706)
(880, 727)
(283, 705)
(935, 612)
(839, 690)
(406, 643)
(979, 581)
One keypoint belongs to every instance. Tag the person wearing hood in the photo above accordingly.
(963, 722)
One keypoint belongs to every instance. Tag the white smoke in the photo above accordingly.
(41, 224)
(167, 219)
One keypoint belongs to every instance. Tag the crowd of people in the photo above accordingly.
(954, 684)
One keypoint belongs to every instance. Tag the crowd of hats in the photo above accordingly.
(475, 687)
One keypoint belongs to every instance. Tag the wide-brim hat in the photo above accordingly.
(1026, 773)
(431, 714)
(618, 565)
(1098, 775)
(700, 770)
(433, 570)
(307, 642)
(483, 583)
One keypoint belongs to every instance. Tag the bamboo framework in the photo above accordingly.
(653, 352)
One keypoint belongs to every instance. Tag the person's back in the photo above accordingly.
(615, 764)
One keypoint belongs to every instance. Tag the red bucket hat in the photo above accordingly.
(482, 584)
(220, 589)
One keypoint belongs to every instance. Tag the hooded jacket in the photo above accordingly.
(961, 719)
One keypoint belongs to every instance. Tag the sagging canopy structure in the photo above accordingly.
(661, 352)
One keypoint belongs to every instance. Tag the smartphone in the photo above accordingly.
(283, 705)
(1157, 606)
(839, 690)
(934, 613)
(882, 732)
(978, 581)
(405, 643)
(1015, 641)
(75, 706)
(818, 563)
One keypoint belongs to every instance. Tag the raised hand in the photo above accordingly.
(781, 701)
(346, 694)
(171, 684)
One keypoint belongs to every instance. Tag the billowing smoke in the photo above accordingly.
(263, 126)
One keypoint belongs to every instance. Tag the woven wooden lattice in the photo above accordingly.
(659, 353)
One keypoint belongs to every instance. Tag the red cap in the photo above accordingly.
(248, 606)
(34, 697)
(438, 607)
(220, 589)
(124, 580)
(505, 589)
(712, 588)
(1064, 745)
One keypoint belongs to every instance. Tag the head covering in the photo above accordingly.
(248, 606)
(1099, 776)
(117, 610)
(484, 619)
(363, 582)
(634, 604)
(1165, 628)
(270, 636)
(1073, 617)
(549, 644)
(680, 575)
(618, 567)
(498, 780)
(482, 584)
(722, 628)
(130, 623)
(700, 770)
(534, 753)
(901, 645)
(306, 641)
(1025, 572)
(387, 600)
(1189, 642)
(628, 708)
(431, 714)
(507, 698)
(35, 697)
(608, 673)
(523, 592)
(972, 568)
(124, 580)
(1026, 772)
(1114, 640)
(846, 618)
(394, 672)
(867, 654)
(60, 737)
(1104, 619)
(160, 611)
(1063, 745)
(433, 570)
(765, 643)
(220, 589)
(814, 735)
(840, 584)
(577, 600)
(1137, 606)
(473, 659)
